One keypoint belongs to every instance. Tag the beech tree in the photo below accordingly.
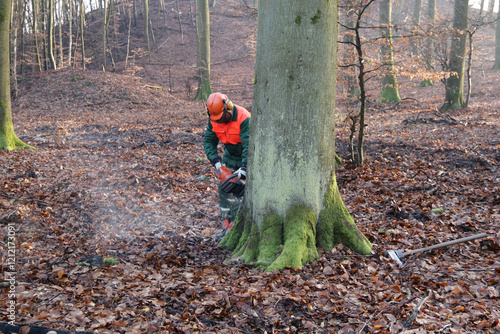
(390, 92)
(429, 48)
(203, 54)
(292, 200)
(497, 42)
(8, 138)
(454, 85)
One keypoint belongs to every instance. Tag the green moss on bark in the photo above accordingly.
(271, 238)
(390, 92)
(299, 234)
(336, 225)
(427, 83)
(204, 90)
(8, 138)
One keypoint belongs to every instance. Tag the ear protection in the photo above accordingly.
(228, 104)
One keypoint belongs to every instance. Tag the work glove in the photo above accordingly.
(241, 173)
(216, 162)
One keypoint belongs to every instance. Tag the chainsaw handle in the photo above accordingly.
(448, 243)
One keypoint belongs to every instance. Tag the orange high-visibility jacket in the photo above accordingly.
(234, 135)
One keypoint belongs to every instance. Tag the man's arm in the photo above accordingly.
(245, 138)
(210, 143)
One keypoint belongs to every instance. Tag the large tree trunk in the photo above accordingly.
(455, 83)
(203, 55)
(390, 92)
(8, 138)
(292, 200)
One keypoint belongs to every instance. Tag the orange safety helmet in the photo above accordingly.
(216, 104)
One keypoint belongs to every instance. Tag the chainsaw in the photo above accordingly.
(230, 182)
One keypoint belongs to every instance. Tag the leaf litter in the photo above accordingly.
(120, 173)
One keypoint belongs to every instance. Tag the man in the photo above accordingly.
(229, 124)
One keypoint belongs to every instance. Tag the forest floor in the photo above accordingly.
(119, 172)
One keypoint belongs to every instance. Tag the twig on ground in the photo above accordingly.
(415, 313)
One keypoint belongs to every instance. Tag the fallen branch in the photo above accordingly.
(415, 313)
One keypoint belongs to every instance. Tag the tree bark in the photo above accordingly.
(145, 17)
(292, 199)
(34, 4)
(454, 85)
(417, 10)
(203, 56)
(82, 26)
(496, 65)
(8, 138)
(429, 49)
(50, 34)
(390, 92)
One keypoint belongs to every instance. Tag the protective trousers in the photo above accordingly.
(229, 205)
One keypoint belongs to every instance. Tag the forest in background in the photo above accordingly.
(119, 172)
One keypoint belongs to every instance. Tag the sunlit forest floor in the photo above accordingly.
(119, 172)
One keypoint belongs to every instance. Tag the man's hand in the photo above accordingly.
(216, 162)
(241, 173)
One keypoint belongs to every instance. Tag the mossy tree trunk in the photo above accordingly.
(292, 202)
(454, 85)
(390, 92)
(203, 56)
(8, 138)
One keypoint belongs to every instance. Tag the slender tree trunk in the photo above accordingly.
(14, 27)
(8, 138)
(455, 83)
(390, 92)
(82, 27)
(70, 32)
(180, 23)
(292, 199)
(50, 34)
(417, 10)
(128, 36)
(34, 4)
(429, 49)
(145, 16)
(104, 34)
(203, 55)
(496, 65)
(59, 19)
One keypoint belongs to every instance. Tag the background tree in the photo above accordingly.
(417, 10)
(8, 138)
(496, 65)
(390, 92)
(429, 47)
(145, 15)
(292, 198)
(50, 34)
(203, 55)
(82, 26)
(454, 85)
(356, 12)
